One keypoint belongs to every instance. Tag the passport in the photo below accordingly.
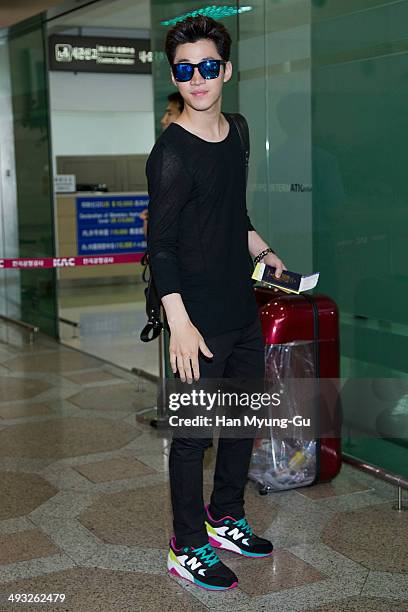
(292, 282)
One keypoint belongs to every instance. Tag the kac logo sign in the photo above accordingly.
(62, 262)
(1, 263)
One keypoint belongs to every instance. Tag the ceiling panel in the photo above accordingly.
(13, 11)
(105, 14)
(111, 14)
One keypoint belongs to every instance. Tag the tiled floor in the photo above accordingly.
(85, 509)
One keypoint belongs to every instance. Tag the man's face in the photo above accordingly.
(171, 113)
(199, 93)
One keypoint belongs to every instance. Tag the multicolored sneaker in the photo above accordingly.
(201, 566)
(237, 536)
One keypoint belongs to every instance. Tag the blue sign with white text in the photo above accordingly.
(110, 224)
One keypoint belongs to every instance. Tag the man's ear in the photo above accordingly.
(173, 80)
(227, 71)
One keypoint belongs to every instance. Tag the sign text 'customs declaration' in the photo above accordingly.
(92, 54)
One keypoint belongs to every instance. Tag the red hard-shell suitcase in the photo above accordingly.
(291, 318)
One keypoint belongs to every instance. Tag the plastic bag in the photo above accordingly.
(280, 464)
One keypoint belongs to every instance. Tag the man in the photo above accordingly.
(198, 241)
(174, 108)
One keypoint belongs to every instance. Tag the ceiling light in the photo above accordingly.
(216, 12)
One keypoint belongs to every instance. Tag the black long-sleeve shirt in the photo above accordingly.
(198, 227)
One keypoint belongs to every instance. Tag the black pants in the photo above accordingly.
(239, 353)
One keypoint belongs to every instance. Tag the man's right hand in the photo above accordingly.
(185, 342)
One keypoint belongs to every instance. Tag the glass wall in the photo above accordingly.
(360, 88)
(9, 279)
(274, 95)
(29, 88)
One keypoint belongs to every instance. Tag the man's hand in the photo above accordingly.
(271, 259)
(185, 339)
(185, 342)
(256, 245)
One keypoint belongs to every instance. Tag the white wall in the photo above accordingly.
(101, 114)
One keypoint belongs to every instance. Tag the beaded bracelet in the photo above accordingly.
(261, 255)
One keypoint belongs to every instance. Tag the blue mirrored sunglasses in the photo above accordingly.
(209, 69)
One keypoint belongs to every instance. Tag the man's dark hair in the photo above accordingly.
(176, 98)
(196, 28)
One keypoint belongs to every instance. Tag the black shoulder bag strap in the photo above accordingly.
(154, 323)
(243, 131)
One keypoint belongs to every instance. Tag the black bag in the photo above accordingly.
(153, 303)
(154, 324)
